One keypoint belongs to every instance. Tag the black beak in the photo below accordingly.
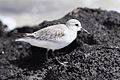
(85, 31)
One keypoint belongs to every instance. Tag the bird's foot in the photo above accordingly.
(60, 63)
(63, 63)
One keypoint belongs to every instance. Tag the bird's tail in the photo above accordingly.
(24, 35)
(21, 39)
(20, 34)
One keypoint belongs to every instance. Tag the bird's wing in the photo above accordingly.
(51, 33)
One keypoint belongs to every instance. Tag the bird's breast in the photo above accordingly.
(70, 36)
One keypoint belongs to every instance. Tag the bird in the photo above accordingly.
(54, 37)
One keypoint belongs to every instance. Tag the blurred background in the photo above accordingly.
(32, 12)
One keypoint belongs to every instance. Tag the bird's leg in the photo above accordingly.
(47, 55)
(59, 62)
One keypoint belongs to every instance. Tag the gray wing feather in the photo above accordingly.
(50, 33)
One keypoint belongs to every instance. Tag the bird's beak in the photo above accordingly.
(85, 31)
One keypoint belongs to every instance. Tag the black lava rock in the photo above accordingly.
(94, 56)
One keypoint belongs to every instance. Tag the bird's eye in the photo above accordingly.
(76, 25)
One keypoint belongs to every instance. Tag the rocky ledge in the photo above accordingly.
(94, 56)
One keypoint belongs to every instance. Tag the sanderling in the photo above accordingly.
(54, 37)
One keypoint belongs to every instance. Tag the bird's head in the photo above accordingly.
(75, 25)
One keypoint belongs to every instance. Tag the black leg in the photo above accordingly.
(47, 55)
(59, 62)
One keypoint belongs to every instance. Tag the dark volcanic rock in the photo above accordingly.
(91, 57)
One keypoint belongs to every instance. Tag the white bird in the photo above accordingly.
(54, 37)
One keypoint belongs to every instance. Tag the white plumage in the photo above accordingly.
(55, 36)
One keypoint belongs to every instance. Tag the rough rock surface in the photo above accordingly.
(91, 57)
